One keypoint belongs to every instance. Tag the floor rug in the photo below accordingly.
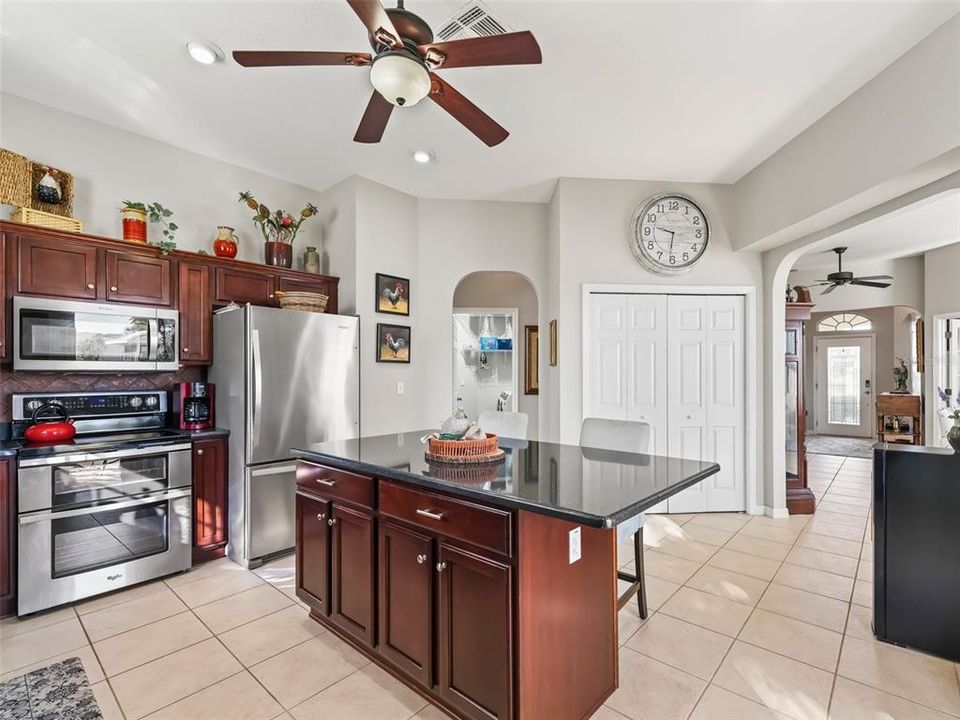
(56, 692)
(835, 445)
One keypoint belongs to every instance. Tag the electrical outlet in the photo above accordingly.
(575, 549)
(400, 388)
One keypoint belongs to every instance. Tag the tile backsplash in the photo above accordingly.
(25, 381)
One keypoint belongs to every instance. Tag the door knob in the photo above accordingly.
(199, 452)
(90, 286)
(113, 288)
(441, 566)
(321, 516)
(331, 522)
(186, 350)
(421, 559)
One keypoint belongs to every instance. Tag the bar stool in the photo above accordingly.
(632, 437)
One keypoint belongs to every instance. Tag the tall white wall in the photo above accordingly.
(906, 288)
(111, 165)
(896, 133)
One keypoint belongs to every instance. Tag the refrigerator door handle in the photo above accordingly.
(257, 386)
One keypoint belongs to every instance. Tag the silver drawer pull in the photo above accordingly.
(441, 566)
(327, 483)
(421, 559)
(429, 514)
(331, 522)
(321, 516)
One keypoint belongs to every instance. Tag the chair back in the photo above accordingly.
(504, 424)
(616, 435)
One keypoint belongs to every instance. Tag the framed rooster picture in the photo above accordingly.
(393, 343)
(393, 295)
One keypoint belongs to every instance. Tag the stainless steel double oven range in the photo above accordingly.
(108, 509)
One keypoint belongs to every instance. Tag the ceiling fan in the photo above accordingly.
(403, 63)
(838, 278)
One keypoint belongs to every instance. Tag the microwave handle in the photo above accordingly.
(257, 384)
(149, 500)
(153, 338)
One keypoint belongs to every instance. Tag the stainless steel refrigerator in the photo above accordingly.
(284, 379)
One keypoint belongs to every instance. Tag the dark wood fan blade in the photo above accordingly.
(374, 120)
(468, 114)
(281, 58)
(830, 289)
(875, 277)
(518, 48)
(860, 281)
(372, 14)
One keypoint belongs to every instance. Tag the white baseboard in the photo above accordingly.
(778, 513)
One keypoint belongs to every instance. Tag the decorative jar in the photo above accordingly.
(225, 244)
(311, 261)
(134, 224)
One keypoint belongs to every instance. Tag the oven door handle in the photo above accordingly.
(149, 500)
(88, 457)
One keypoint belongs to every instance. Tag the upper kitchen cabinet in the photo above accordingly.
(322, 284)
(244, 286)
(55, 266)
(195, 306)
(138, 278)
(3, 297)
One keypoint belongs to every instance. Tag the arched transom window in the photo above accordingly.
(842, 322)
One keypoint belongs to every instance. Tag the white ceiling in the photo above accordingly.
(912, 231)
(666, 91)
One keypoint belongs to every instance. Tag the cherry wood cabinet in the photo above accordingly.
(322, 284)
(474, 630)
(56, 266)
(209, 498)
(138, 278)
(243, 286)
(7, 537)
(196, 319)
(4, 304)
(406, 599)
(352, 570)
(313, 552)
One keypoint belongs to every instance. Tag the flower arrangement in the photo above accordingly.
(278, 226)
(951, 408)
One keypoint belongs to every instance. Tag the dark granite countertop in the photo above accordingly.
(211, 434)
(592, 487)
(8, 447)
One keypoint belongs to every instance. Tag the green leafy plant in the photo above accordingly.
(157, 213)
(165, 246)
(279, 225)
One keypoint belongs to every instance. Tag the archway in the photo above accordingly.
(501, 305)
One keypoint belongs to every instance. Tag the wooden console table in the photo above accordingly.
(892, 404)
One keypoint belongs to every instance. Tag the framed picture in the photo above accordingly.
(393, 295)
(393, 343)
(531, 354)
(553, 343)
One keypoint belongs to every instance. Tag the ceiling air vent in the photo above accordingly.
(472, 20)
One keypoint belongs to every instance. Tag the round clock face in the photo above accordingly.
(670, 234)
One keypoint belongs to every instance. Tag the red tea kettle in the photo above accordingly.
(51, 430)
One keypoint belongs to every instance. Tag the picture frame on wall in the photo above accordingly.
(921, 365)
(531, 354)
(553, 343)
(393, 343)
(393, 294)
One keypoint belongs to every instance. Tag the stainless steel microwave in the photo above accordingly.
(68, 335)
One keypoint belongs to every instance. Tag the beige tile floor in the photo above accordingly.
(750, 618)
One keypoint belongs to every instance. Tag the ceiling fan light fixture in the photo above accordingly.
(205, 53)
(400, 78)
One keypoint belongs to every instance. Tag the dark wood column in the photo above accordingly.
(800, 498)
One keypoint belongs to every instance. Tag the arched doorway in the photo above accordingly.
(488, 307)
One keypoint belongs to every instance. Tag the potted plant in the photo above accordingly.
(279, 229)
(950, 417)
(135, 216)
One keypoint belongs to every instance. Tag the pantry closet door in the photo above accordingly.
(706, 397)
(647, 366)
(607, 359)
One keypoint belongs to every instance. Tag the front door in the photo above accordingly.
(844, 386)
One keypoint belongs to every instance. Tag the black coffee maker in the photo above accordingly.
(193, 406)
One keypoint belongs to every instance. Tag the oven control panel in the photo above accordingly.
(77, 405)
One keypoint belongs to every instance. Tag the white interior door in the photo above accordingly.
(844, 386)
(607, 359)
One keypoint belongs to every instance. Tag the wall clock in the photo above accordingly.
(669, 234)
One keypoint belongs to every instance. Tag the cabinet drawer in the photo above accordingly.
(485, 527)
(336, 484)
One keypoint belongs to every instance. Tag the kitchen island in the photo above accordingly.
(490, 589)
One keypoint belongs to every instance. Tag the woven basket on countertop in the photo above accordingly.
(464, 451)
(308, 301)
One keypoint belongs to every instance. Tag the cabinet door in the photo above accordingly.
(405, 630)
(57, 267)
(352, 572)
(195, 313)
(7, 554)
(210, 494)
(244, 286)
(325, 285)
(3, 297)
(313, 552)
(475, 629)
(137, 278)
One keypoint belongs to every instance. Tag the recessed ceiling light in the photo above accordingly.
(205, 53)
(422, 156)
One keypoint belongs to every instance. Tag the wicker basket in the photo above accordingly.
(46, 220)
(308, 301)
(464, 451)
(15, 175)
(473, 474)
